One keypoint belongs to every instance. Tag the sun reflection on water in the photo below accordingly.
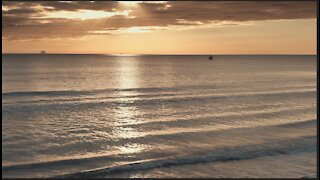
(127, 113)
(131, 148)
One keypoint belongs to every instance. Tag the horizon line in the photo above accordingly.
(124, 54)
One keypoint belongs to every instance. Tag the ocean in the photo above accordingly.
(159, 116)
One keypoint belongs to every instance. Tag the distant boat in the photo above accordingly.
(43, 52)
(210, 57)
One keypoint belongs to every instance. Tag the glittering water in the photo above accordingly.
(158, 116)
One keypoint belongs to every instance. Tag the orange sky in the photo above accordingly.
(186, 27)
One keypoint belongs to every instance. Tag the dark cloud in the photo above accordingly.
(21, 19)
(25, 11)
(233, 11)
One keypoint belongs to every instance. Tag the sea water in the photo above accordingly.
(159, 116)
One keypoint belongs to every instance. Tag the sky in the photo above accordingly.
(160, 27)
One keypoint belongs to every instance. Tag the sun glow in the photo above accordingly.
(137, 30)
(130, 3)
(84, 14)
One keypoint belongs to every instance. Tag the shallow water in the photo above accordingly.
(158, 116)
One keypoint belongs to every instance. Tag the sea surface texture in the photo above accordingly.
(159, 116)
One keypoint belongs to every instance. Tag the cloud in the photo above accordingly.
(31, 20)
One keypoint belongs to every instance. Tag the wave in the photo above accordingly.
(150, 89)
(164, 99)
(52, 93)
(84, 92)
(303, 144)
(185, 136)
(230, 153)
(313, 176)
(54, 163)
(206, 118)
(204, 131)
(299, 124)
